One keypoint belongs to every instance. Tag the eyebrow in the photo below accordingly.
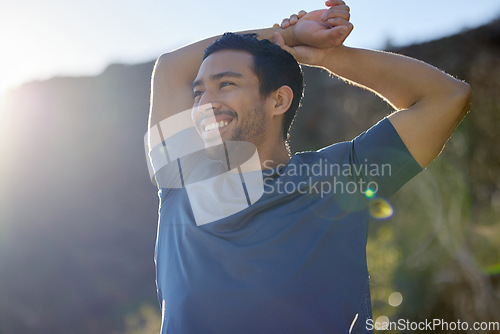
(218, 76)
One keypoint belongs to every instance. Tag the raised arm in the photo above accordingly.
(175, 71)
(429, 104)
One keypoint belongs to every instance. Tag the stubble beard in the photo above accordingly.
(251, 132)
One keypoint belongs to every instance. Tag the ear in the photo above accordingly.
(281, 100)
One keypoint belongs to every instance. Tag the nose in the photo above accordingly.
(207, 104)
(201, 109)
(209, 98)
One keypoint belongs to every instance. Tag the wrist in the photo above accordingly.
(289, 36)
(334, 55)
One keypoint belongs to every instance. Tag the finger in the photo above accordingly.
(338, 22)
(338, 34)
(340, 7)
(285, 23)
(341, 11)
(337, 14)
(330, 3)
(343, 35)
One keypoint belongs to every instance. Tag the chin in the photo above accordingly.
(216, 152)
(235, 153)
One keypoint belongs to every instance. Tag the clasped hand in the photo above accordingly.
(314, 34)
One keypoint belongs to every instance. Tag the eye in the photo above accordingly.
(225, 83)
(197, 94)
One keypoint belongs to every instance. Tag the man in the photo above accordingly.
(286, 254)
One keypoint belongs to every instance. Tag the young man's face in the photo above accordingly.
(226, 87)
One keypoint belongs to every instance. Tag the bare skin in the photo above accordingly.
(428, 103)
(176, 71)
(227, 83)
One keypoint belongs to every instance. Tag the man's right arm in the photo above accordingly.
(175, 71)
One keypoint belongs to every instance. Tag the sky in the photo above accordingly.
(42, 39)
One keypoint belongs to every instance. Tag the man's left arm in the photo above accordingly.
(429, 104)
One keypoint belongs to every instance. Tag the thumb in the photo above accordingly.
(335, 36)
(280, 41)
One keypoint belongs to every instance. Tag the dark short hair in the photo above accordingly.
(273, 66)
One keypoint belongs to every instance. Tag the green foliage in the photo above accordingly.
(434, 250)
(146, 320)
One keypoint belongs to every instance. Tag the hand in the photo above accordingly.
(336, 17)
(316, 31)
(291, 21)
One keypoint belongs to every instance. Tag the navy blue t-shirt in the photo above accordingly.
(294, 261)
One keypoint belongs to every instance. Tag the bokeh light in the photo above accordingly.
(380, 208)
(395, 299)
(370, 193)
(382, 322)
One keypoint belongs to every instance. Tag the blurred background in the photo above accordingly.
(78, 212)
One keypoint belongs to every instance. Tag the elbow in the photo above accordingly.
(164, 70)
(464, 95)
(464, 90)
(165, 58)
(163, 63)
(173, 68)
(458, 99)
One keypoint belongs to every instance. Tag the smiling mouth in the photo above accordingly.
(214, 125)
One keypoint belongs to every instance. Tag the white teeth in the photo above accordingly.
(216, 125)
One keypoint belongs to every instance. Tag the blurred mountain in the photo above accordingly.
(78, 212)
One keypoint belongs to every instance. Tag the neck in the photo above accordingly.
(273, 157)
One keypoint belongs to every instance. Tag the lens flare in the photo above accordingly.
(395, 299)
(380, 208)
(370, 193)
(382, 322)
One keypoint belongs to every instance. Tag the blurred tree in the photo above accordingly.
(146, 320)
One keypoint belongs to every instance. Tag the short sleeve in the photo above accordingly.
(378, 156)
